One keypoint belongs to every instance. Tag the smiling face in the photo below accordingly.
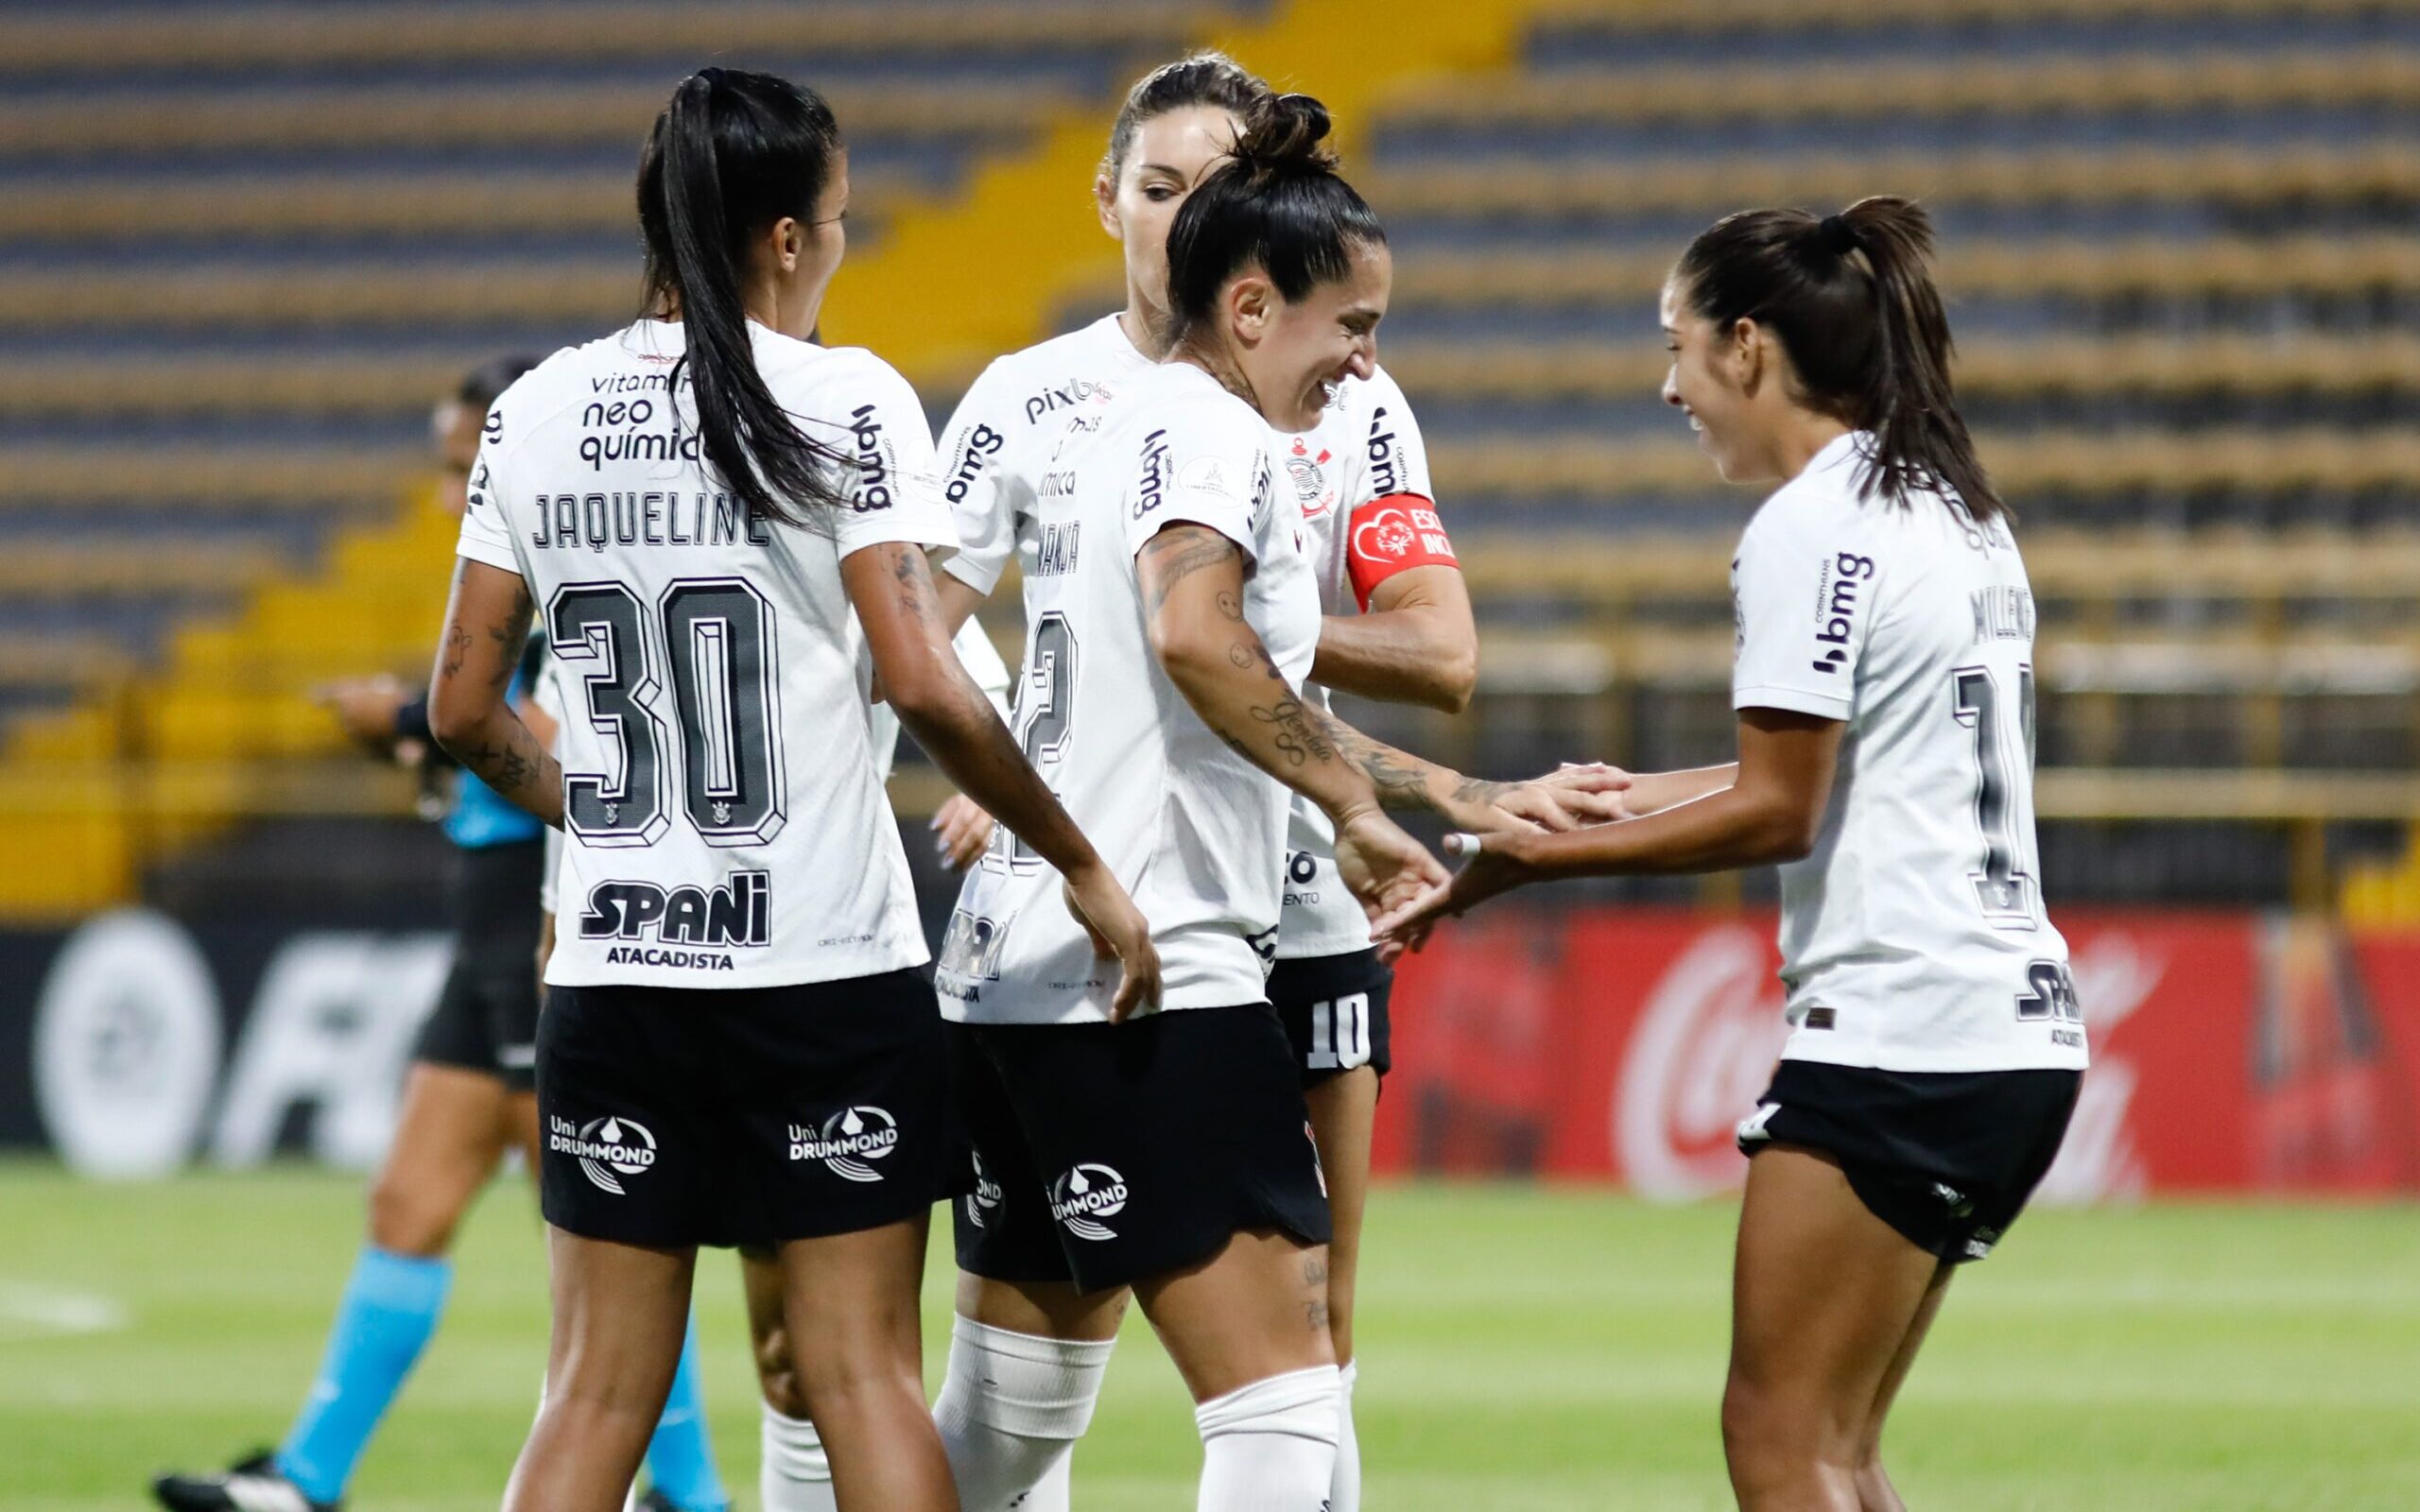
(1171, 155)
(1292, 353)
(1714, 380)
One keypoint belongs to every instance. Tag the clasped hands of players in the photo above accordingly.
(1395, 877)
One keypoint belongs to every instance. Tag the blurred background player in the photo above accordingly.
(469, 1096)
(1885, 690)
(1171, 612)
(737, 1048)
(1360, 481)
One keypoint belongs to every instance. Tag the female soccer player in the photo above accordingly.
(1885, 690)
(1358, 476)
(736, 1047)
(1171, 617)
(468, 1097)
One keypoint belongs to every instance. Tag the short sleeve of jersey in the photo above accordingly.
(893, 481)
(1391, 525)
(971, 446)
(1804, 589)
(1205, 470)
(1394, 458)
(487, 535)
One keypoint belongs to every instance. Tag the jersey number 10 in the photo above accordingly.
(716, 641)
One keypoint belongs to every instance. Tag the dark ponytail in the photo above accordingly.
(1276, 204)
(731, 155)
(1851, 298)
(1205, 78)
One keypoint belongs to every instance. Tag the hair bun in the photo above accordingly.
(1284, 135)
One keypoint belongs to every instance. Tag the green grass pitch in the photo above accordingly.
(1535, 1348)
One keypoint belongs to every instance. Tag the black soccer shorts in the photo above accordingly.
(1334, 1008)
(486, 1018)
(1104, 1154)
(1948, 1159)
(674, 1117)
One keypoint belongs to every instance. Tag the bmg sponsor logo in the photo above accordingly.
(1086, 1193)
(873, 490)
(1385, 455)
(606, 1148)
(1151, 492)
(982, 445)
(847, 1140)
(1836, 605)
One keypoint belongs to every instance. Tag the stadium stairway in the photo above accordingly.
(207, 440)
(2178, 238)
(242, 250)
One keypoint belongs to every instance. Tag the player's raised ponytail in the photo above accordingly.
(731, 155)
(1276, 204)
(1851, 298)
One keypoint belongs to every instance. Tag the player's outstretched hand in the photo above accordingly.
(1118, 928)
(960, 831)
(1385, 867)
(1492, 870)
(1571, 797)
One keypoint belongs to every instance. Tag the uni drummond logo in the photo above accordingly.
(1085, 1195)
(604, 1148)
(986, 1199)
(847, 1140)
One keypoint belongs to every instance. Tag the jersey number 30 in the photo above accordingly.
(714, 637)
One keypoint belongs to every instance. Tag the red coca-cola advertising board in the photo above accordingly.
(2231, 1052)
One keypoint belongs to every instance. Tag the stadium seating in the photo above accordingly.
(244, 248)
(239, 255)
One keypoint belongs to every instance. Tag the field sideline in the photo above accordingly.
(1523, 1348)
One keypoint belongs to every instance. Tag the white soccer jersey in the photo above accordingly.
(710, 666)
(1195, 831)
(1361, 480)
(1914, 935)
(1021, 401)
(982, 661)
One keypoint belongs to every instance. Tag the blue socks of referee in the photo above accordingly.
(679, 1461)
(390, 1308)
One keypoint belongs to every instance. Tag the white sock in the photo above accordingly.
(1011, 1411)
(793, 1474)
(1345, 1494)
(1271, 1446)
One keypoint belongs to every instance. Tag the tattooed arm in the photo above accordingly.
(891, 586)
(1193, 593)
(486, 622)
(1192, 580)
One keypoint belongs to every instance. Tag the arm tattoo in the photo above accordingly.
(1401, 780)
(1178, 551)
(1297, 736)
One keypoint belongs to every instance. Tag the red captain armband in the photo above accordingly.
(1393, 535)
